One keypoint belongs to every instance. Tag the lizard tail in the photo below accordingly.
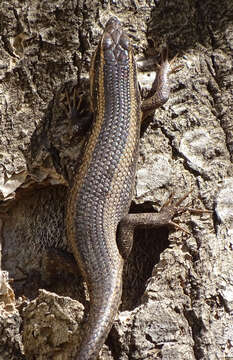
(104, 304)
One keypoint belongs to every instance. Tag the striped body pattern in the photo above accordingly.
(102, 188)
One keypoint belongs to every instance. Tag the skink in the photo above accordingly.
(102, 189)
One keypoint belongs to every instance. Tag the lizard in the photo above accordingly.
(102, 188)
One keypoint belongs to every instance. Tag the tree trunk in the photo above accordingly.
(178, 287)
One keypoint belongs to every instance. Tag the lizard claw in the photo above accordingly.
(174, 208)
(77, 110)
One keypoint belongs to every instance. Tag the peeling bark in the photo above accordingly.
(178, 289)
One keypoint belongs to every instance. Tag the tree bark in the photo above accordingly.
(178, 288)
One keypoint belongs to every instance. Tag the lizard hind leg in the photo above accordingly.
(164, 217)
(125, 236)
(131, 221)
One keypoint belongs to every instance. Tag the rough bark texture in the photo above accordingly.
(184, 311)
